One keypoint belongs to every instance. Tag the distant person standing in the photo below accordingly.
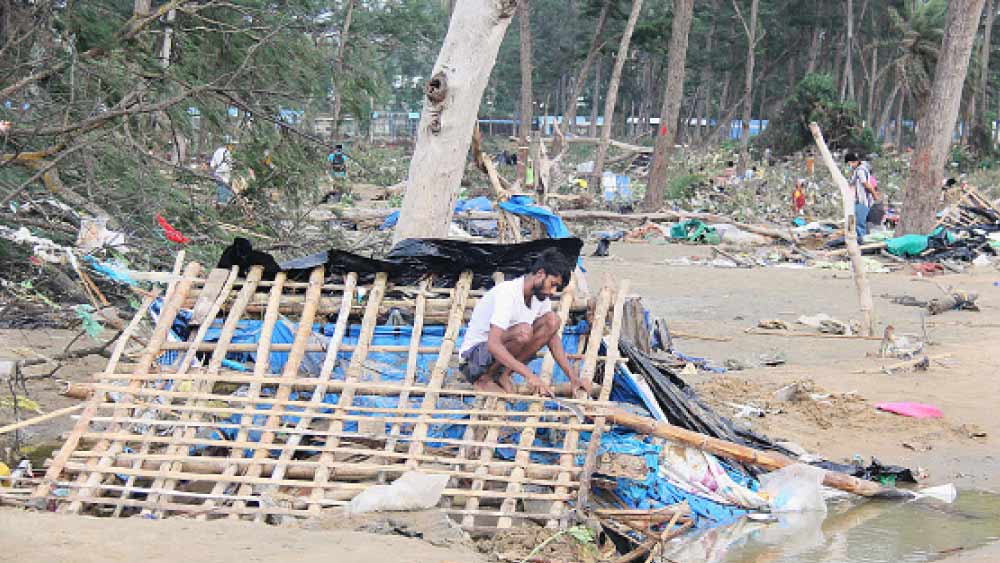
(864, 192)
(337, 161)
(799, 196)
(222, 170)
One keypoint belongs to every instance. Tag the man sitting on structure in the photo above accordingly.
(511, 323)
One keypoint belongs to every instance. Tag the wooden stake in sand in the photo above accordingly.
(850, 225)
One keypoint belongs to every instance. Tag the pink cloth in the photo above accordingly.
(916, 410)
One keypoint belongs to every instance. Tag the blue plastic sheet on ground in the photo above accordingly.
(475, 204)
(654, 492)
(524, 205)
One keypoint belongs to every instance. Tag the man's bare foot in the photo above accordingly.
(486, 383)
(506, 382)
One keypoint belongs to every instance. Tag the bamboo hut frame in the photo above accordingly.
(155, 449)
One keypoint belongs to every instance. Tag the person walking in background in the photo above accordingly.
(222, 170)
(864, 192)
(337, 161)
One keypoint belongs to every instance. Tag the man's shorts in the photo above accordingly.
(475, 361)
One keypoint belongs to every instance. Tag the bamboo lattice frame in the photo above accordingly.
(156, 450)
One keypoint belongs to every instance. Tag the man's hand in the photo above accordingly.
(537, 386)
(577, 383)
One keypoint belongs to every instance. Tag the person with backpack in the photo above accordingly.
(865, 191)
(338, 162)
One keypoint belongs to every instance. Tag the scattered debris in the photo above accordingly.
(914, 410)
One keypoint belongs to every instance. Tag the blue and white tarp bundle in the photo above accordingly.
(716, 493)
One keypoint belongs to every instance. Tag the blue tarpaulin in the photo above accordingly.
(525, 206)
(655, 492)
(475, 204)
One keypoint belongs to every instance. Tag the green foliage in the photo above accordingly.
(960, 159)
(815, 99)
(683, 186)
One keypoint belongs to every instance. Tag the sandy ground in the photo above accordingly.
(723, 303)
(81, 539)
(699, 300)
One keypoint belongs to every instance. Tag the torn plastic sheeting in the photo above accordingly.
(525, 206)
(654, 492)
(410, 260)
(111, 270)
(699, 362)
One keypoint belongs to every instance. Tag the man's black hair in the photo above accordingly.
(851, 157)
(554, 263)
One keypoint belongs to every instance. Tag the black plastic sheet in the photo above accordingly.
(410, 260)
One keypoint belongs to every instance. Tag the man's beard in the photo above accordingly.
(537, 293)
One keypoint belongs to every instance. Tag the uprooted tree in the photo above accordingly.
(112, 105)
(451, 107)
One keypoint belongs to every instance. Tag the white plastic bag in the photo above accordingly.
(412, 491)
(796, 488)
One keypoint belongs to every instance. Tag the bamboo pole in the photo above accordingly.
(850, 223)
(590, 460)
(42, 418)
(738, 452)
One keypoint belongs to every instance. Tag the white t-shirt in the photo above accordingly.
(222, 163)
(503, 306)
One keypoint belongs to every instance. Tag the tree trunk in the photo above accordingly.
(527, 99)
(612, 96)
(937, 122)
(751, 32)
(872, 76)
(595, 100)
(838, 57)
(672, 95)
(899, 122)
(814, 45)
(595, 47)
(984, 60)
(338, 70)
(883, 122)
(451, 105)
(848, 71)
(724, 128)
(708, 78)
